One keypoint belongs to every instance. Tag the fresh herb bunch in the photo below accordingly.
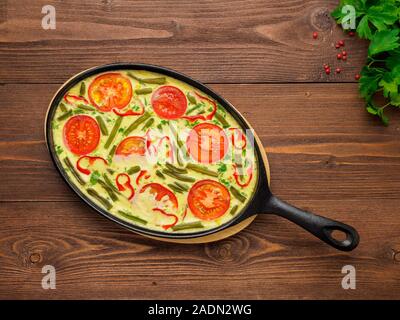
(378, 21)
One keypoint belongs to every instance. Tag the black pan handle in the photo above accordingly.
(320, 227)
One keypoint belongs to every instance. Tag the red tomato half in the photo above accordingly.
(131, 145)
(208, 199)
(169, 102)
(207, 143)
(110, 90)
(161, 192)
(81, 134)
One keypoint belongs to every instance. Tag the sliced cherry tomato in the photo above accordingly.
(110, 90)
(208, 199)
(169, 102)
(131, 145)
(207, 143)
(81, 134)
(160, 191)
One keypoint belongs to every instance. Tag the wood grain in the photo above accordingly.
(326, 153)
(96, 259)
(237, 41)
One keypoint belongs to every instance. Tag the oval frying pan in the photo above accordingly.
(262, 202)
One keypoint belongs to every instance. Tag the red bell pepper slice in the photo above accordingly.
(122, 186)
(185, 213)
(237, 178)
(201, 116)
(167, 226)
(149, 141)
(169, 153)
(140, 175)
(242, 137)
(130, 112)
(69, 97)
(91, 161)
(149, 144)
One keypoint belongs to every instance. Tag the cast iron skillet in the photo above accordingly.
(262, 201)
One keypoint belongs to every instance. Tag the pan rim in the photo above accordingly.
(182, 77)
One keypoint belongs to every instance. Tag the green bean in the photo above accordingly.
(178, 176)
(99, 198)
(82, 89)
(73, 171)
(183, 186)
(130, 217)
(114, 131)
(108, 181)
(180, 146)
(194, 108)
(221, 119)
(110, 191)
(112, 151)
(174, 188)
(110, 171)
(148, 123)
(63, 107)
(234, 209)
(189, 225)
(179, 142)
(200, 169)
(191, 98)
(133, 170)
(65, 115)
(85, 107)
(174, 185)
(143, 91)
(103, 126)
(160, 174)
(178, 152)
(175, 169)
(158, 80)
(136, 123)
(178, 158)
(236, 193)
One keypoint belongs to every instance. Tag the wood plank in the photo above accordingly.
(271, 259)
(239, 41)
(318, 148)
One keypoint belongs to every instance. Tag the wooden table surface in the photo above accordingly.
(327, 155)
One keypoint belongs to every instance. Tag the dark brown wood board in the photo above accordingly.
(326, 153)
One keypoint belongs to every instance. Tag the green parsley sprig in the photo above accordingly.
(378, 21)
